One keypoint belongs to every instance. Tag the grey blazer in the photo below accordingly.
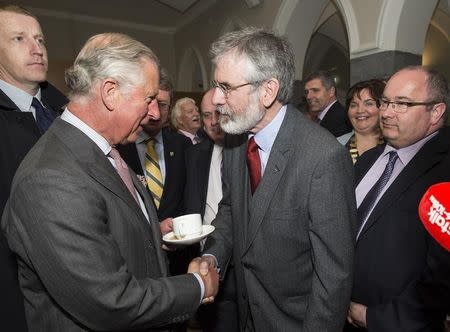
(88, 258)
(292, 243)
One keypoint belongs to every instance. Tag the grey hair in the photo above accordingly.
(113, 55)
(324, 76)
(268, 56)
(176, 111)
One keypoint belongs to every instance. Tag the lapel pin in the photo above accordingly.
(171, 153)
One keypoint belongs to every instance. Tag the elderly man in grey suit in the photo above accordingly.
(287, 217)
(82, 225)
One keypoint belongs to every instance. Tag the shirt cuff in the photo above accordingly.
(202, 285)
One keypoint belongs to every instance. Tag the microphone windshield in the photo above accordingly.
(434, 211)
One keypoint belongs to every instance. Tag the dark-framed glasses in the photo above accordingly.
(227, 88)
(163, 106)
(402, 106)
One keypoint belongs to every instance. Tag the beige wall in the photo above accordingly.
(65, 37)
(211, 24)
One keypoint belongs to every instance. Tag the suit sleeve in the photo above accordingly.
(63, 234)
(332, 235)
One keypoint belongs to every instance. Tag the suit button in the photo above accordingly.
(150, 245)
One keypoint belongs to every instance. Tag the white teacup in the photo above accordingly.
(187, 225)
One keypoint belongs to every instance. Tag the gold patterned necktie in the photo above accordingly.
(153, 172)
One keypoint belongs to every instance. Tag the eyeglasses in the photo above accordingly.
(226, 88)
(163, 106)
(402, 106)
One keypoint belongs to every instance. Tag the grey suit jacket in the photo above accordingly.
(88, 258)
(292, 243)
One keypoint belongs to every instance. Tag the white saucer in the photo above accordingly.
(206, 230)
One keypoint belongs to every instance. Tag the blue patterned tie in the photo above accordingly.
(367, 204)
(44, 117)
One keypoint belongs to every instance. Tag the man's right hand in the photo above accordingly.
(206, 268)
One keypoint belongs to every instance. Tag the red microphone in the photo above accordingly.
(434, 211)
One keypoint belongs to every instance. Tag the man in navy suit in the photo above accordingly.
(398, 265)
(323, 107)
(170, 148)
(23, 71)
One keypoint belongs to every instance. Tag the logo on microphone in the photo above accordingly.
(437, 215)
(434, 212)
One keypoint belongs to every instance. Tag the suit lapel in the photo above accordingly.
(153, 220)
(429, 155)
(94, 162)
(273, 173)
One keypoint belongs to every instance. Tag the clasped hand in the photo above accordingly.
(206, 268)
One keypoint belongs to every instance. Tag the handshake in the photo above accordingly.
(206, 269)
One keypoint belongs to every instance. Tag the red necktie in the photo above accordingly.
(253, 163)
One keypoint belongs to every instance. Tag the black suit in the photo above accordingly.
(171, 204)
(174, 146)
(336, 120)
(398, 265)
(198, 162)
(18, 133)
(222, 314)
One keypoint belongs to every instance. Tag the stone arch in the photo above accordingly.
(299, 31)
(192, 65)
(395, 31)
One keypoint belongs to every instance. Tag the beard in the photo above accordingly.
(232, 122)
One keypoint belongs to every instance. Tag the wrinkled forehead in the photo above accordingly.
(11, 21)
(232, 67)
(407, 84)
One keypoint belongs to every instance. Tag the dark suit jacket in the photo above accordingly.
(88, 257)
(292, 241)
(198, 163)
(222, 314)
(336, 120)
(394, 252)
(175, 145)
(18, 133)
(171, 204)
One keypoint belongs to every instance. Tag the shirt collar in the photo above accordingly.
(144, 137)
(326, 109)
(19, 97)
(98, 139)
(266, 136)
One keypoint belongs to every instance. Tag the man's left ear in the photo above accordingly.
(269, 92)
(109, 93)
(438, 112)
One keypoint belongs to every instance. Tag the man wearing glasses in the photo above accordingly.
(396, 261)
(287, 216)
(158, 159)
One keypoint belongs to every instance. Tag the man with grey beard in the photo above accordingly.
(287, 217)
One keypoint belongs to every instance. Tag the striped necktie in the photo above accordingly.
(153, 172)
(368, 203)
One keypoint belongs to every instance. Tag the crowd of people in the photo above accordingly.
(316, 215)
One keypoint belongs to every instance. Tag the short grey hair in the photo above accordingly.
(269, 56)
(324, 76)
(113, 55)
(176, 111)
